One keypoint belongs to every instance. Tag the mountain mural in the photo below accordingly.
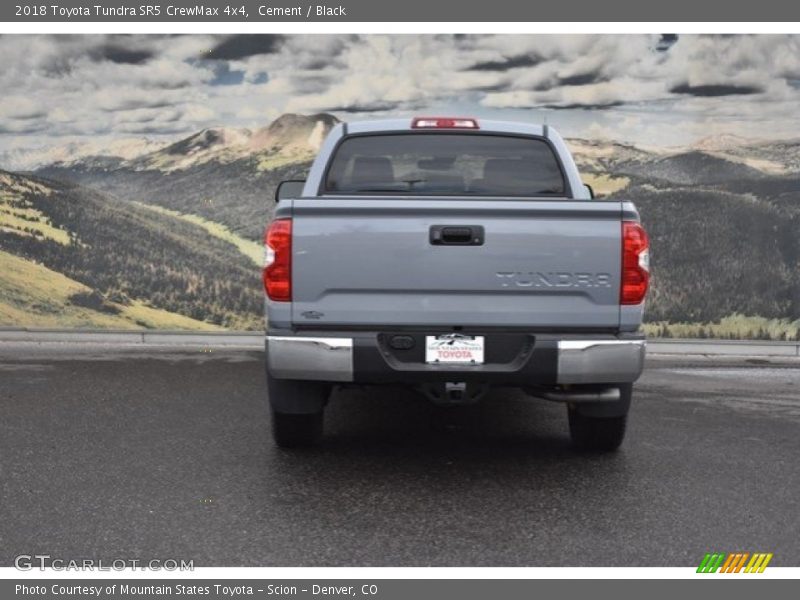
(225, 175)
(74, 257)
(176, 227)
(723, 216)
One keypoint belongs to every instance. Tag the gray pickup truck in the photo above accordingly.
(453, 255)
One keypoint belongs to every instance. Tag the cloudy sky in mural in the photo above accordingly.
(647, 89)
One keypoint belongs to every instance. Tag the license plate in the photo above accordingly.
(462, 349)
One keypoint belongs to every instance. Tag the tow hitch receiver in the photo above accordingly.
(453, 393)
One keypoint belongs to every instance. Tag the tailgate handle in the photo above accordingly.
(456, 235)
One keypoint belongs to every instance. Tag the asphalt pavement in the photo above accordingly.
(142, 453)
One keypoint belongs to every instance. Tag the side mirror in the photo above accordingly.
(590, 189)
(289, 189)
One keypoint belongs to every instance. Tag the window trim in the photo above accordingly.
(567, 194)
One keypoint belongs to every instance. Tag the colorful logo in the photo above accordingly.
(734, 562)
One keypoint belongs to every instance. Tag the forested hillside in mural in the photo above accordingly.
(124, 209)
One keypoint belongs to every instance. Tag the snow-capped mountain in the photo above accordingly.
(290, 138)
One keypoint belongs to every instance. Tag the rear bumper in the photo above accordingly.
(600, 361)
(317, 358)
(514, 359)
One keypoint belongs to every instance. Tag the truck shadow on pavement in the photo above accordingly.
(396, 423)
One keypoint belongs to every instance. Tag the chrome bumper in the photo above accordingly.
(315, 358)
(600, 361)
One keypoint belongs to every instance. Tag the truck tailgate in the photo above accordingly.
(360, 261)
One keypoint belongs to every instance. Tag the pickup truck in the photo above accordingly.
(453, 255)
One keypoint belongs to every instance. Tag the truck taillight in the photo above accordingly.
(635, 263)
(444, 123)
(278, 260)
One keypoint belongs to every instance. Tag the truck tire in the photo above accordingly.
(603, 428)
(296, 431)
(298, 409)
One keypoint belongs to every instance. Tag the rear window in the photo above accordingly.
(445, 164)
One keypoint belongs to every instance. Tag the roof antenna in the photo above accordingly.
(545, 128)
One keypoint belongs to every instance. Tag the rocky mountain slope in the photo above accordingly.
(228, 176)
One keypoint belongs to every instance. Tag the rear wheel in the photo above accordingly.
(603, 428)
(296, 431)
(298, 409)
(596, 434)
